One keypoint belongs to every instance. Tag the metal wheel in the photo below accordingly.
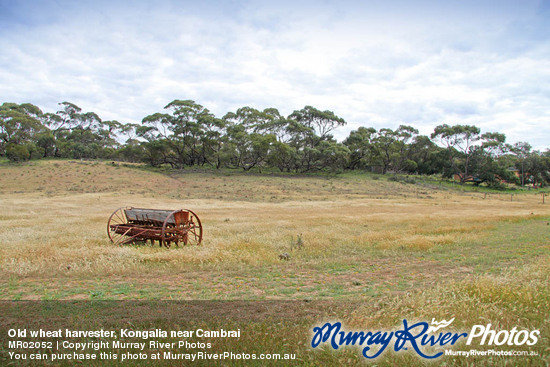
(117, 219)
(182, 226)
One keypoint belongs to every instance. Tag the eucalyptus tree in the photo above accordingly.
(184, 129)
(251, 119)
(521, 150)
(390, 149)
(282, 156)
(427, 155)
(80, 134)
(322, 122)
(404, 136)
(268, 121)
(459, 140)
(360, 144)
(19, 126)
(133, 149)
(129, 131)
(156, 149)
(537, 165)
(46, 141)
(64, 119)
(274, 123)
(486, 164)
(89, 121)
(18, 123)
(384, 148)
(472, 155)
(305, 130)
(247, 144)
(333, 156)
(108, 132)
(60, 125)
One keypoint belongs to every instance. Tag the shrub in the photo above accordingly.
(402, 179)
(17, 153)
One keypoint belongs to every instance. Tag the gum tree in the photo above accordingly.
(19, 127)
(459, 140)
(360, 143)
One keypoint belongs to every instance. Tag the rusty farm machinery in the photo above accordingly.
(139, 225)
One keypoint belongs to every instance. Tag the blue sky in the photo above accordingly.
(374, 63)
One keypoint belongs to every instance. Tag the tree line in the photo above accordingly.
(186, 134)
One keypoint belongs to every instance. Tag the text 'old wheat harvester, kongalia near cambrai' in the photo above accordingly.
(135, 225)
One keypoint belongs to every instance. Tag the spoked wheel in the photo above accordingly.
(116, 226)
(182, 226)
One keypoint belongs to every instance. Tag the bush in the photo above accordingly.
(17, 153)
(402, 179)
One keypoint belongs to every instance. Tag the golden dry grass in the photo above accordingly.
(50, 230)
(44, 235)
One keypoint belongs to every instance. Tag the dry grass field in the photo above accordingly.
(393, 250)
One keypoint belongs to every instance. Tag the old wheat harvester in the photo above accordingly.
(135, 225)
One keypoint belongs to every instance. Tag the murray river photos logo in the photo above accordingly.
(417, 337)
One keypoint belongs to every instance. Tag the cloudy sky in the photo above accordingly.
(374, 62)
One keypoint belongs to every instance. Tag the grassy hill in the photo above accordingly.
(66, 177)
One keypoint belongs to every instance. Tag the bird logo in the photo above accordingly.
(439, 325)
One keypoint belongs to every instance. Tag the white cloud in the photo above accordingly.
(379, 64)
